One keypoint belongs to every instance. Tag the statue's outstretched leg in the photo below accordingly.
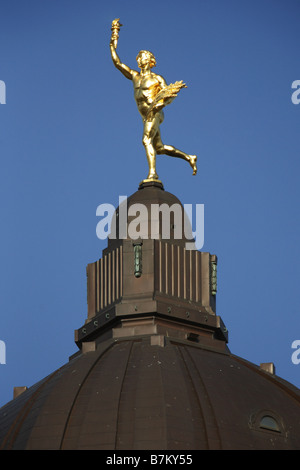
(174, 152)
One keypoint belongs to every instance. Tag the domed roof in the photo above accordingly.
(154, 393)
(154, 210)
(153, 370)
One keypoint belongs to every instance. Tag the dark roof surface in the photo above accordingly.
(133, 394)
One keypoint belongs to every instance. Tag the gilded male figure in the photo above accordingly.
(151, 94)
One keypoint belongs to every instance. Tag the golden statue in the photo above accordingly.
(151, 94)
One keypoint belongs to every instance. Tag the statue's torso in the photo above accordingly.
(145, 90)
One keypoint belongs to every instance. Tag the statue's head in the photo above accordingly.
(146, 55)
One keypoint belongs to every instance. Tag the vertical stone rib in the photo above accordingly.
(172, 270)
(184, 421)
(105, 280)
(191, 275)
(112, 276)
(197, 297)
(117, 273)
(97, 286)
(178, 270)
(15, 429)
(211, 426)
(118, 414)
(159, 267)
(101, 284)
(91, 286)
(141, 410)
(121, 270)
(109, 280)
(166, 268)
(92, 363)
(184, 273)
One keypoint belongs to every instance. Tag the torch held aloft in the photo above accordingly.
(115, 27)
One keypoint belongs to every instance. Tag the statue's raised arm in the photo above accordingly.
(115, 29)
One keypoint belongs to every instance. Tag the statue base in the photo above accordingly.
(150, 183)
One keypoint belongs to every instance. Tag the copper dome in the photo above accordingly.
(138, 394)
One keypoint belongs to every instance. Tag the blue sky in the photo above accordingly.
(70, 139)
